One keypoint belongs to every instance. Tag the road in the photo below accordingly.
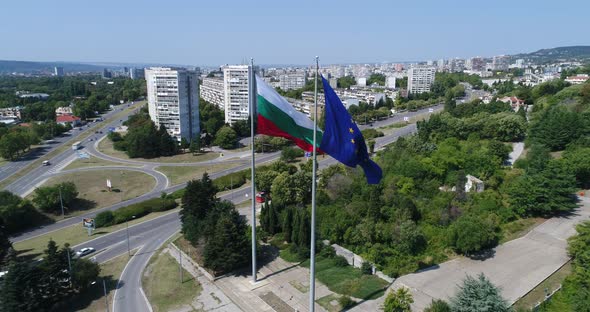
(65, 139)
(23, 185)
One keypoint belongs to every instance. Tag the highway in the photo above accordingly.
(65, 139)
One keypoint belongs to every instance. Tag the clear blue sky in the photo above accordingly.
(214, 32)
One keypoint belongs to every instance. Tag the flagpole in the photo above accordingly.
(313, 190)
(252, 100)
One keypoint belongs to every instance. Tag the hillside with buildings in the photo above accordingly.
(572, 53)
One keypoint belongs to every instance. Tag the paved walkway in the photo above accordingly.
(516, 267)
(282, 287)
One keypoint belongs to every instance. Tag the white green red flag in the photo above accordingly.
(276, 117)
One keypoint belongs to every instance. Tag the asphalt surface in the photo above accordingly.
(26, 182)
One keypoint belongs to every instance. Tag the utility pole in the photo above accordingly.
(106, 299)
(61, 201)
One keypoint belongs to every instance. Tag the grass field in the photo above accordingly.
(177, 174)
(330, 303)
(106, 146)
(161, 284)
(538, 293)
(88, 132)
(93, 192)
(93, 162)
(74, 235)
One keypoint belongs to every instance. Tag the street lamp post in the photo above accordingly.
(128, 249)
(61, 202)
(106, 299)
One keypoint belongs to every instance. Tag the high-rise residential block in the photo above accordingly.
(420, 79)
(58, 71)
(212, 91)
(293, 79)
(173, 100)
(235, 87)
(136, 73)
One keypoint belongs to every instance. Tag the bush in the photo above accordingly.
(105, 218)
(232, 180)
(327, 252)
(340, 261)
(141, 209)
(345, 302)
(367, 268)
(438, 306)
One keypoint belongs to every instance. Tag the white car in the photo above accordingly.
(84, 251)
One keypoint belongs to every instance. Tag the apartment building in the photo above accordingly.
(294, 79)
(173, 100)
(235, 88)
(212, 91)
(420, 79)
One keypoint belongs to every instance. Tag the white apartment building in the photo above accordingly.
(235, 88)
(294, 79)
(390, 82)
(420, 79)
(173, 100)
(212, 91)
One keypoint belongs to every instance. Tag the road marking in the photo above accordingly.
(120, 279)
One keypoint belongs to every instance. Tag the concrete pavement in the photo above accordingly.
(516, 267)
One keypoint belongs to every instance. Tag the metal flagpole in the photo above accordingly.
(313, 189)
(252, 100)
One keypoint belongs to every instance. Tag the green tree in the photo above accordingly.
(398, 301)
(288, 224)
(470, 234)
(198, 199)
(264, 179)
(346, 82)
(289, 154)
(195, 146)
(478, 295)
(167, 146)
(5, 243)
(227, 248)
(47, 198)
(226, 138)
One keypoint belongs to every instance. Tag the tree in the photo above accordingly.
(478, 295)
(398, 301)
(226, 138)
(48, 198)
(470, 234)
(438, 306)
(5, 243)
(227, 248)
(288, 224)
(288, 154)
(198, 199)
(195, 146)
(84, 272)
(17, 214)
(264, 179)
(167, 146)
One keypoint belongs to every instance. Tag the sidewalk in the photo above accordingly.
(211, 297)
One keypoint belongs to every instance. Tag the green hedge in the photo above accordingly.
(232, 180)
(107, 218)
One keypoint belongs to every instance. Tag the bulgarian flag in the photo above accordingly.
(276, 117)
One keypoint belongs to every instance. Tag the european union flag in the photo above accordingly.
(343, 140)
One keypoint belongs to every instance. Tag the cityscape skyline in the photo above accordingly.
(208, 34)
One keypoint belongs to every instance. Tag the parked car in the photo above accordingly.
(84, 251)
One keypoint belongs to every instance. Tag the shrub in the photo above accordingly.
(105, 218)
(345, 302)
(232, 180)
(438, 306)
(367, 268)
(327, 252)
(340, 261)
(143, 208)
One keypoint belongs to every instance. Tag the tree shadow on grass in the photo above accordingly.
(81, 204)
(482, 255)
(86, 297)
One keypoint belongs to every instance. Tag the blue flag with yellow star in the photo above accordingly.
(343, 140)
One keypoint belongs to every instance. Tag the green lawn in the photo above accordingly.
(106, 146)
(180, 174)
(88, 132)
(74, 235)
(330, 303)
(93, 162)
(92, 190)
(345, 280)
(162, 286)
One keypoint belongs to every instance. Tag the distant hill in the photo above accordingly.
(29, 67)
(573, 53)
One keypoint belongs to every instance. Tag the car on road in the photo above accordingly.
(46, 163)
(84, 251)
